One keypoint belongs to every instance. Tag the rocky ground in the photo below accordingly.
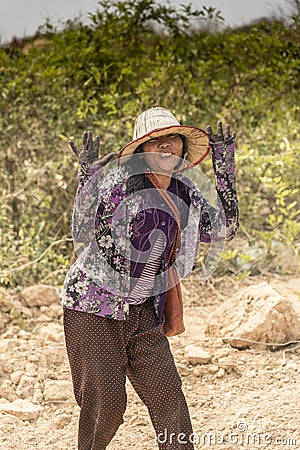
(241, 399)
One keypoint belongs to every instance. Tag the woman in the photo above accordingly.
(128, 235)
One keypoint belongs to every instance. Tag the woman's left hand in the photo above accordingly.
(220, 137)
(222, 148)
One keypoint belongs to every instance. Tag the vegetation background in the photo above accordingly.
(133, 55)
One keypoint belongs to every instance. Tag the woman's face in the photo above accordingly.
(163, 153)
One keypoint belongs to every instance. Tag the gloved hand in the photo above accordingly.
(219, 137)
(90, 151)
(222, 147)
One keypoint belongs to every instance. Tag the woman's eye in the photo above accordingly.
(171, 137)
(153, 141)
(157, 141)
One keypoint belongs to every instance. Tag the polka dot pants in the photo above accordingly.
(101, 353)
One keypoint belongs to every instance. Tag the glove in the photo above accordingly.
(222, 147)
(89, 152)
(219, 139)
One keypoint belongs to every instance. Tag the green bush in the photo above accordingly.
(130, 56)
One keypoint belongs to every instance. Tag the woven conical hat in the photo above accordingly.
(156, 122)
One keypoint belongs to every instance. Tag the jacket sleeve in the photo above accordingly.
(85, 173)
(221, 222)
(86, 204)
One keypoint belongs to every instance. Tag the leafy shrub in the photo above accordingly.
(133, 55)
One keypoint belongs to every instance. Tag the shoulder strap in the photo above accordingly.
(172, 207)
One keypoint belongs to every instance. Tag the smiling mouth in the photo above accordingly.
(165, 155)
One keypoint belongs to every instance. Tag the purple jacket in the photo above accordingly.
(114, 232)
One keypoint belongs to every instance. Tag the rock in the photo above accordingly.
(31, 369)
(257, 314)
(41, 295)
(51, 333)
(53, 311)
(292, 366)
(56, 311)
(200, 371)
(138, 420)
(221, 372)
(9, 344)
(24, 335)
(7, 420)
(19, 309)
(213, 369)
(11, 332)
(26, 386)
(183, 370)
(16, 376)
(6, 308)
(5, 301)
(7, 390)
(43, 318)
(196, 355)
(52, 359)
(38, 396)
(221, 353)
(8, 367)
(62, 420)
(20, 363)
(23, 409)
(228, 363)
(57, 391)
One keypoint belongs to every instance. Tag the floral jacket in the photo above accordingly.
(114, 231)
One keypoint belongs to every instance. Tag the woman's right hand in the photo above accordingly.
(89, 153)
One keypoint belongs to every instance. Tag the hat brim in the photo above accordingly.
(197, 142)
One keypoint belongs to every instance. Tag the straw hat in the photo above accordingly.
(156, 122)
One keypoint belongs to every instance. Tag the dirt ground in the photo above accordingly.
(240, 400)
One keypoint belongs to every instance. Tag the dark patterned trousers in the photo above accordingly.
(101, 353)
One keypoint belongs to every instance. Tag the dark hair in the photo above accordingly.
(138, 182)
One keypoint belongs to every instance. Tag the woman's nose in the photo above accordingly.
(164, 144)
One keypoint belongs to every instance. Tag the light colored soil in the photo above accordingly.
(252, 403)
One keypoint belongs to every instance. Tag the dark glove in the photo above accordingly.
(222, 147)
(219, 137)
(90, 151)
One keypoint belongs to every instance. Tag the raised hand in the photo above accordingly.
(222, 148)
(90, 151)
(220, 136)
